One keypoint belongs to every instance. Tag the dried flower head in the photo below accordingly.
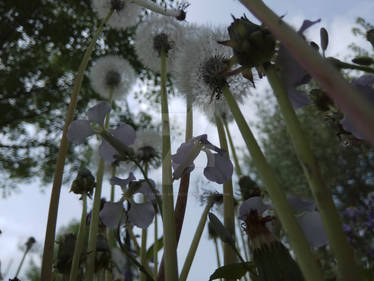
(158, 34)
(125, 12)
(111, 74)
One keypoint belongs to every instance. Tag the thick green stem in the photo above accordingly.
(347, 267)
(47, 262)
(22, 261)
(170, 241)
(293, 231)
(94, 224)
(79, 242)
(351, 103)
(228, 201)
(195, 243)
(233, 150)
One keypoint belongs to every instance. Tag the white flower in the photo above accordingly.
(147, 147)
(154, 33)
(125, 14)
(199, 66)
(111, 73)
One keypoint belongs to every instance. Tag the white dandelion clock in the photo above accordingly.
(147, 147)
(111, 75)
(125, 12)
(158, 33)
(201, 65)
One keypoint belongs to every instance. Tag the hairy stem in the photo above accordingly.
(347, 267)
(47, 261)
(296, 237)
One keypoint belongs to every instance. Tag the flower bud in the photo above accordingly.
(253, 45)
(83, 183)
(30, 242)
(363, 60)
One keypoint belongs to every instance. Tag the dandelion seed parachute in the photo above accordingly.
(111, 73)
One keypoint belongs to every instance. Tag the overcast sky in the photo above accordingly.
(24, 214)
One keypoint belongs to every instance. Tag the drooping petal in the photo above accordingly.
(125, 133)
(123, 183)
(146, 190)
(79, 130)
(182, 161)
(253, 203)
(300, 205)
(112, 214)
(141, 214)
(364, 86)
(98, 112)
(311, 224)
(292, 73)
(219, 167)
(107, 152)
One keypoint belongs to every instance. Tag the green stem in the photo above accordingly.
(155, 248)
(80, 241)
(348, 100)
(346, 65)
(228, 201)
(195, 243)
(47, 262)
(217, 253)
(22, 261)
(233, 150)
(94, 224)
(143, 251)
(180, 206)
(296, 237)
(347, 267)
(170, 242)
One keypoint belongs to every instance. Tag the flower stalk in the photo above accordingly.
(233, 150)
(80, 241)
(47, 261)
(170, 243)
(296, 237)
(346, 264)
(195, 242)
(228, 201)
(350, 102)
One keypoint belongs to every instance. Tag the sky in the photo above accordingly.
(24, 213)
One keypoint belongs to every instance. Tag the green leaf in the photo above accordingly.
(232, 271)
(220, 229)
(160, 245)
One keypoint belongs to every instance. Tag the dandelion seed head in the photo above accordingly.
(158, 33)
(111, 73)
(125, 13)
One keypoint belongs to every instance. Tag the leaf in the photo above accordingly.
(160, 245)
(232, 271)
(220, 229)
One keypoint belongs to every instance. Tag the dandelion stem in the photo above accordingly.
(143, 251)
(350, 102)
(233, 150)
(170, 243)
(195, 243)
(94, 224)
(47, 262)
(155, 248)
(80, 241)
(296, 237)
(346, 263)
(228, 201)
(22, 261)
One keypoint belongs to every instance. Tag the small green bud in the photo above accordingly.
(324, 39)
(84, 183)
(30, 242)
(253, 45)
(370, 36)
(363, 60)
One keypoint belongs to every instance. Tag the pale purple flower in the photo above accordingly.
(219, 167)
